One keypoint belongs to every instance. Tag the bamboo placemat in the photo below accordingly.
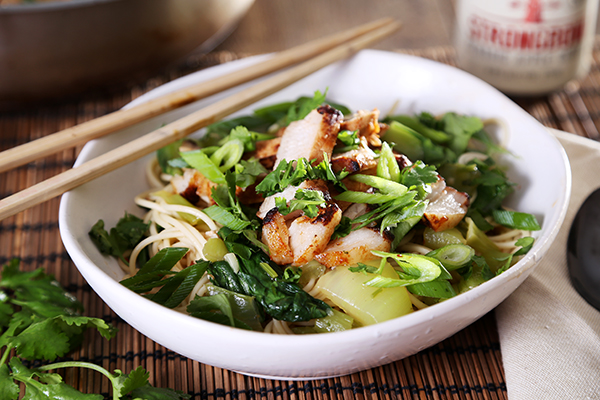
(468, 365)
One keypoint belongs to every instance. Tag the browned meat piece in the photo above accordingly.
(367, 125)
(447, 209)
(311, 137)
(354, 248)
(309, 236)
(193, 186)
(276, 236)
(355, 160)
(266, 152)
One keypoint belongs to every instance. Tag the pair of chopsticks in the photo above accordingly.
(317, 54)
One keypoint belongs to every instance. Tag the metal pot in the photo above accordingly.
(60, 48)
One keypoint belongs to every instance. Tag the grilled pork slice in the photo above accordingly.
(276, 236)
(367, 125)
(269, 203)
(309, 236)
(354, 248)
(266, 152)
(193, 186)
(355, 160)
(447, 208)
(311, 137)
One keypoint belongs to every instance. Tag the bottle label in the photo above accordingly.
(521, 46)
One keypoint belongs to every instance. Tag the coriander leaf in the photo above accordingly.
(6, 310)
(246, 172)
(419, 176)
(492, 187)
(47, 385)
(7, 386)
(42, 339)
(124, 384)
(461, 128)
(148, 392)
(128, 232)
(284, 175)
(342, 229)
(307, 200)
(106, 331)
(303, 106)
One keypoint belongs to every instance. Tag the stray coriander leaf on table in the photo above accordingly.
(41, 321)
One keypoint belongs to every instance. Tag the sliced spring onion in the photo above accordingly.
(387, 166)
(516, 220)
(225, 218)
(384, 185)
(228, 155)
(362, 197)
(198, 160)
(407, 141)
(453, 256)
(416, 269)
(179, 286)
(414, 123)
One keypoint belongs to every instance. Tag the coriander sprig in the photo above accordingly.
(39, 320)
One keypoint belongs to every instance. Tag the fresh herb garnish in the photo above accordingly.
(293, 173)
(128, 232)
(40, 321)
(306, 200)
(228, 211)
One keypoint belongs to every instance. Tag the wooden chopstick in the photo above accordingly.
(180, 128)
(123, 118)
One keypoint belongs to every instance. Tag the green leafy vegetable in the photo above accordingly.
(246, 172)
(128, 232)
(43, 322)
(306, 200)
(286, 174)
(228, 211)
(200, 161)
(349, 140)
(260, 277)
(461, 128)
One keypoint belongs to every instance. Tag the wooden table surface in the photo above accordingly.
(273, 25)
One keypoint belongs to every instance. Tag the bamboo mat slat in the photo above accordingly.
(467, 365)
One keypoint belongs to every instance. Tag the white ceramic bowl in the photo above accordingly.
(370, 79)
